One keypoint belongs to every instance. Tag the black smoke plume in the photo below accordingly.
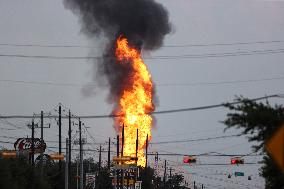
(143, 22)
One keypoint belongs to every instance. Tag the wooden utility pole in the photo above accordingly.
(33, 143)
(136, 155)
(100, 159)
(170, 178)
(165, 174)
(136, 149)
(122, 140)
(81, 155)
(117, 154)
(69, 146)
(66, 165)
(108, 154)
(41, 139)
(146, 166)
(59, 126)
(122, 149)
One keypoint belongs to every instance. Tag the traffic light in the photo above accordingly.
(9, 154)
(57, 156)
(237, 160)
(189, 159)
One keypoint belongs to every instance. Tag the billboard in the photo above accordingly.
(25, 144)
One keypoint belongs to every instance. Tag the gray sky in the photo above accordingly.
(195, 22)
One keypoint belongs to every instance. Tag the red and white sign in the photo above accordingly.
(23, 144)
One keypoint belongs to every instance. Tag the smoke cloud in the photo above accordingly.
(143, 22)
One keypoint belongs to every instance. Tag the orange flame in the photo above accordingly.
(136, 102)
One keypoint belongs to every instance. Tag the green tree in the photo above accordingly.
(259, 121)
(18, 174)
(147, 177)
(175, 182)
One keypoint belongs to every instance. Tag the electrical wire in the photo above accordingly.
(162, 84)
(154, 113)
(183, 56)
(194, 140)
(165, 46)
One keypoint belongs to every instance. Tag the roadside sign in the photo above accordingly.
(275, 146)
(23, 144)
(138, 184)
(123, 158)
(57, 156)
(130, 182)
(124, 166)
(8, 154)
(239, 174)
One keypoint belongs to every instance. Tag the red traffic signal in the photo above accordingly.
(189, 159)
(237, 160)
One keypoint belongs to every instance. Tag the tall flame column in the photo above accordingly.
(136, 101)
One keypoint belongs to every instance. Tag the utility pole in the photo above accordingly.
(136, 148)
(81, 155)
(100, 165)
(117, 145)
(170, 178)
(165, 174)
(41, 139)
(59, 125)
(69, 146)
(146, 153)
(33, 143)
(108, 154)
(122, 146)
(117, 154)
(100, 159)
(146, 164)
(136, 155)
(122, 140)
(66, 164)
(77, 173)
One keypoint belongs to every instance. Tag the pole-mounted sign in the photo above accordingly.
(23, 144)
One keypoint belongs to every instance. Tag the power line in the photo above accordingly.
(184, 56)
(208, 154)
(153, 113)
(165, 46)
(162, 84)
(195, 140)
(206, 164)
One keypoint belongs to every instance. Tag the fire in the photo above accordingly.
(135, 102)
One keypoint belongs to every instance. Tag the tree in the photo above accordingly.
(175, 182)
(147, 177)
(18, 174)
(259, 121)
(151, 181)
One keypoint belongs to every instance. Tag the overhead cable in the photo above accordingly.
(163, 57)
(166, 46)
(158, 84)
(153, 113)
